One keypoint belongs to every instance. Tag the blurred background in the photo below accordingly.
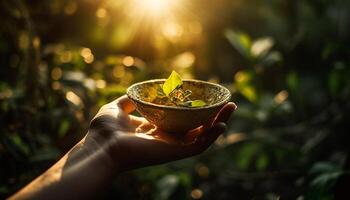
(286, 62)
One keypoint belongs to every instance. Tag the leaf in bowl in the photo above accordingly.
(174, 81)
(172, 93)
(198, 103)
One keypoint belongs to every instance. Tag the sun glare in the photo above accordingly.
(153, 18)
(149, 8)
(153, 7)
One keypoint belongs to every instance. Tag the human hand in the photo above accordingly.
(133, 142)
(116, 142)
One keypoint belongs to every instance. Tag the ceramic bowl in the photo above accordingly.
(175, 119)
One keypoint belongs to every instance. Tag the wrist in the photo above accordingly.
(100, 148)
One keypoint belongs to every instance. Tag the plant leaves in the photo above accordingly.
(198, 103)
(240, 41)
(20, 144)
(261, 46)
(292, 80)
(166, 186)
(249, 92)
(174, 81)
(64, 126)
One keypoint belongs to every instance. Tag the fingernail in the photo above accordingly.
(235, 106)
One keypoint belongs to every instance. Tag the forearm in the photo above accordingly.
(81, 173)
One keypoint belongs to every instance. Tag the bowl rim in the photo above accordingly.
(225, 100)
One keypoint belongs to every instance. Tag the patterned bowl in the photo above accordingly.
(176, 119)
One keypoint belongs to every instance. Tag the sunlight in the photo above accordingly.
(144, 19)
(172, 31)
(145, 136)
(153, 7)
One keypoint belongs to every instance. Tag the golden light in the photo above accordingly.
(85, 52)
(195, 27)
(262, 46)
(66, 56)
(70, 8)
(100, 83)
(56, 85)
(146, 20)
(36, 42)
(281, 97)
(101, 13)
(184, 60)
(128, 61)
(202, 170)
(150, 10)
(73, 98)
(87, 55)
(5, 94)
(56, 73)
(118, 71)
(172, 31)
(89, 59)
(196, 194)
(153, 6)
(242, 76)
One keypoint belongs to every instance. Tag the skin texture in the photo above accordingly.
(116, 142)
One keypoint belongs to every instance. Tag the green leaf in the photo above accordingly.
(22, 146)
(293, 81)
(326, 180)
(240, 41)
(4, 189)
(174, 81)
(246, 153)
(64, 126)
(249, 92)
(262, 162)
(323, 167)
(166, 186)
(334, 82)
(198, 103)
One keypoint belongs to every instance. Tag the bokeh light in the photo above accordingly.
(128, 61)
(73, 98)
(101, 13)
(196, 194)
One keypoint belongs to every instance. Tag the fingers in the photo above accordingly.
(137, 121)
(225, 113)
(205, 139)
(211, 131)
(210, 135)
(222, 116)
(125, 104)
(120, 108)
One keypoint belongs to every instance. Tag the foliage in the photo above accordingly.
(285, 62)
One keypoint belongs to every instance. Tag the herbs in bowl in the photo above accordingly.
(171, 93)
(176, 105)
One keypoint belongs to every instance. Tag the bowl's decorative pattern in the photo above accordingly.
(177, 119)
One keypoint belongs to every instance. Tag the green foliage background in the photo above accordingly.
(286, 62)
